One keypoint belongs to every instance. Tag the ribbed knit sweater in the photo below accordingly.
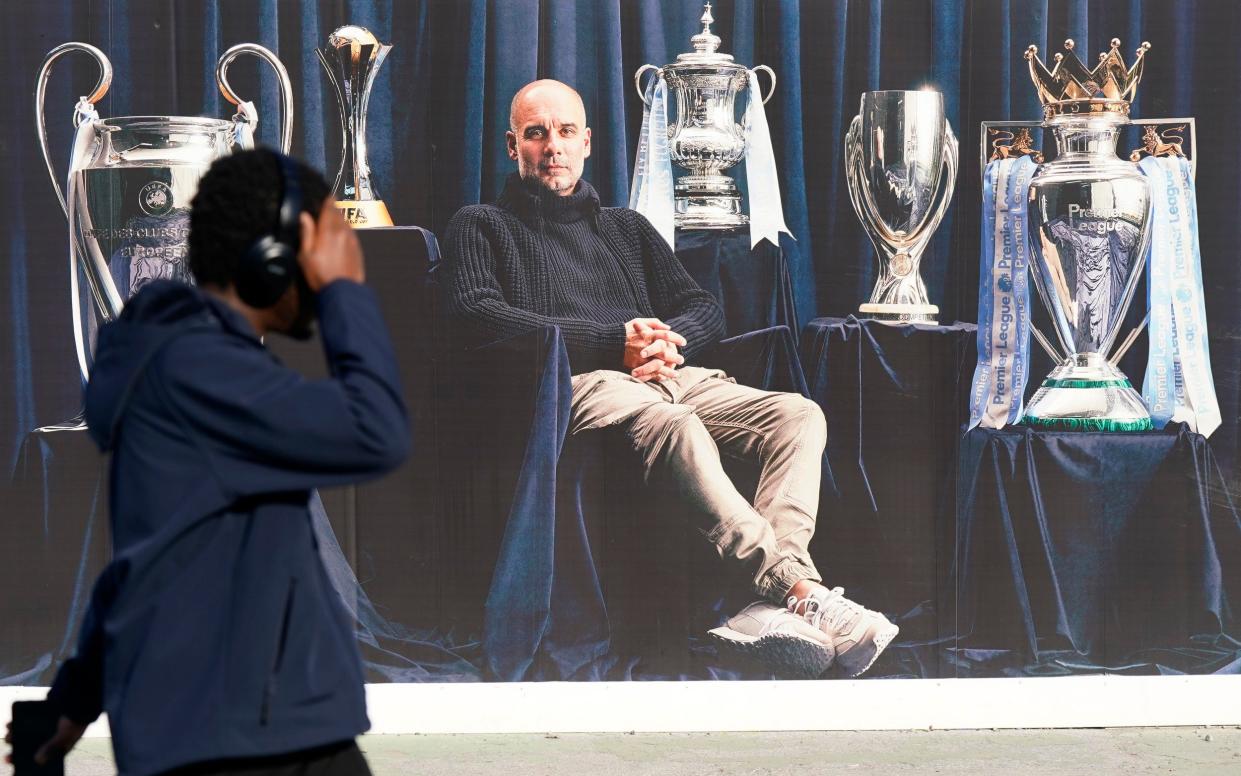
(536, 259)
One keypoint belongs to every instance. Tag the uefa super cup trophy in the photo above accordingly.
(901, 166)
(129, 187)
(1089, 224)
(706, 139)
(352, 59)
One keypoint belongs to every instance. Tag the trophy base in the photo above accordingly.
(1087, 393)
(900, 313)
(76, 423)
(365, 213)
(708, 202)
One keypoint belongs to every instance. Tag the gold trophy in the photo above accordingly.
(352, 59)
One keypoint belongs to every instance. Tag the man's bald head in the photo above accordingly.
(548, 136)
(543, 90)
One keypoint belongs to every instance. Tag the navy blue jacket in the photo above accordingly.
(214, 632)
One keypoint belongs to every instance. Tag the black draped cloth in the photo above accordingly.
(751, 284)
(894, 399)
(1083, 552)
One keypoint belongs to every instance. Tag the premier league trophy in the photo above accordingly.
(352, 59)
(1089, 218)
(129, 187)
(706, 139)
(901, 166)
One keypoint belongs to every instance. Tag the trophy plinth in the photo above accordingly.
(352, 59)
(708, 202)
(1087, 393)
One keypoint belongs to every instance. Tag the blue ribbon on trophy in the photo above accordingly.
(1178, 385)
(766, 209)
(651, 193)
(998, 387)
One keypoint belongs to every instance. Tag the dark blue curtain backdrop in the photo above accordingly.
(439, 111)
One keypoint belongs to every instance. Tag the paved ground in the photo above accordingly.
(1197, 751)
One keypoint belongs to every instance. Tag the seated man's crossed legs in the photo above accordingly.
(680, 426)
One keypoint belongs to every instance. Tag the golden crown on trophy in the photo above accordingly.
(1069, 87)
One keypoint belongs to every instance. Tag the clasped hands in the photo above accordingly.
(651, 349)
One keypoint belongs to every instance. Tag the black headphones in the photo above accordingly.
(269, 265)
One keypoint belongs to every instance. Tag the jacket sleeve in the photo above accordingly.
(679, 302)
(269, 429)
(477, 302)
(77, 691)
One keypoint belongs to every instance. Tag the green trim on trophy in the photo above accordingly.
(1053, 382)
(1088, 424)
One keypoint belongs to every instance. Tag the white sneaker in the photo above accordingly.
(858, 634)
(784, 642)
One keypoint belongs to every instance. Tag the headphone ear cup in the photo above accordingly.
(266, 272)
(269, 267)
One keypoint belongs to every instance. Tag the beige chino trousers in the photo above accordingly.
(680, 427)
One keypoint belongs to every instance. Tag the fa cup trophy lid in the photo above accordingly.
(706, 50)
(1070, 88)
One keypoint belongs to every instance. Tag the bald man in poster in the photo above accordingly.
(634, 322)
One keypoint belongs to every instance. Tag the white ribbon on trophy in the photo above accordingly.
(998, 389)
(651, 193)
(84, 119)
(244, 122)
(1178, 386)
(766, 209)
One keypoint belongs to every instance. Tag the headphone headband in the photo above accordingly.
(269, 265)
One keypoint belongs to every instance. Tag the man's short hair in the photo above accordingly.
(237, 203)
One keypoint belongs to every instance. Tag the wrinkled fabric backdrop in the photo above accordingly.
(439, 110)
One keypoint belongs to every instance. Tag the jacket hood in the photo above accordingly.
(156, 315)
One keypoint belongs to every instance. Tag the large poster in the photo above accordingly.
(515, 547)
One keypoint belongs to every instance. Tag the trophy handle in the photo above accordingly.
(637, 82)
(88, 101)
(772, 89)
(863, 204)
(951, 154)
(282, 76)
(339, 91)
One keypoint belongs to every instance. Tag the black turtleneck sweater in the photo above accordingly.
(536, 259)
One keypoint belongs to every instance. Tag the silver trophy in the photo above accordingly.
(901, 165)
(129, 188)
(706, 139)
(1089, 224)
(352, 59)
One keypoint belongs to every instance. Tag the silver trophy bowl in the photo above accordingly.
(129, 187)
(1089, 227)
(901, 167)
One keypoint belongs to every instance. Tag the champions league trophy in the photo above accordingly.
(352, 59)
(901, 166)
(706, 139)
(130, 183)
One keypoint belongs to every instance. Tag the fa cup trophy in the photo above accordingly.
(130, 183)
(901, 166)
(706, 139)
(352, 59)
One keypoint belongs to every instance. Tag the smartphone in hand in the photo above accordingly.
(34, 722)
